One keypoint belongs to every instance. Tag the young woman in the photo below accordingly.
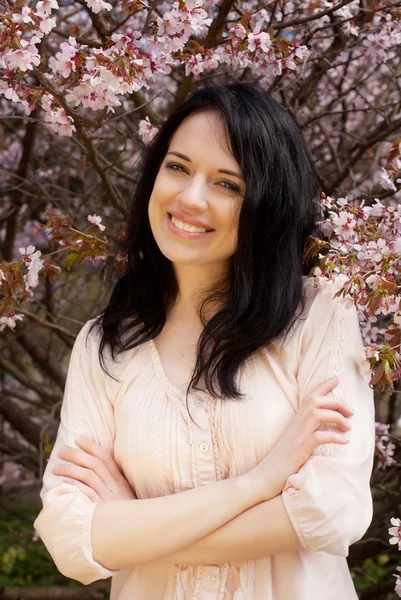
(215, 463)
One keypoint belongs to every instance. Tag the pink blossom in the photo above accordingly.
(180, 23)
(395, 532)
(23, 17)
(44, 7)
(397, 588)
(34, 264)
(24, 57)
(64, 62)
(344, 224)
(384, 446)
(9, 91)
(9, 321)
(146, 130)
(385, 180)
(47, 24)
(259, 39)
(97, 5)
(57, 118)
(95, 220)
(35, 536)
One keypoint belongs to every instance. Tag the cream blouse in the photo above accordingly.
(144, 422)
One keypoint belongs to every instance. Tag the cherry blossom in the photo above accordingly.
(44, 7)
(95, 220)
(397, 588)
(98, 5)
(56, 118)
(384, 447)
(34, 264)
(23, 58)
(146, 130)
(10, 321)
(395, 531)
(23, 17)
(385, 180)
(64, 62)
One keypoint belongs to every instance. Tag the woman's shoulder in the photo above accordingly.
(321, 292)
(118, 362)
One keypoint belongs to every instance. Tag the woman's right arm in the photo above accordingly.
(125, 532)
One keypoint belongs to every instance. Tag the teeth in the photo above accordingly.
(186, 227)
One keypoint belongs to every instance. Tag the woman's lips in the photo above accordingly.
(184, 234)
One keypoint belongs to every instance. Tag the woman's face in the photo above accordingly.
(191, 186)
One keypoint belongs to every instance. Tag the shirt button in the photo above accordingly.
(203, 447)
(210, 578)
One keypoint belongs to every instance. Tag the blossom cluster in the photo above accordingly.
(34, 264)
(395, 532)
(97, 78)
(363, 255)
(384, 447)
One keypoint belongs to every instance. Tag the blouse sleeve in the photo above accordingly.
(64, 523)
(328, 500)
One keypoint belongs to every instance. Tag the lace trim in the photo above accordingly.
(172, 389)
(75, 414)
(223, 581)
(155, 412)
(171, 575)
(215, 443)
(241, 470)
(337, 364)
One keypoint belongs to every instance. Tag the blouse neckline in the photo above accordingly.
(158, 366)
(164, 380)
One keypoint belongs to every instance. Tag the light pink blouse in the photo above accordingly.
(144, 422)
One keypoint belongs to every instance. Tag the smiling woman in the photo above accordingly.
(204, 205)
(254, 499)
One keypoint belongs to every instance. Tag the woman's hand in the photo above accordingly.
(94, 472)
(300, 439)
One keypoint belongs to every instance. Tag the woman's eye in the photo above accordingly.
(231, 186)
(173, 165)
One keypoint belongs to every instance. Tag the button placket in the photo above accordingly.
(211, 577)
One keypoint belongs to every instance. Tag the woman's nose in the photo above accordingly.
(194, 194)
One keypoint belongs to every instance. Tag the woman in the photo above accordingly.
(215, 464)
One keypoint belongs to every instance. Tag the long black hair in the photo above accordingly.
(263, 286)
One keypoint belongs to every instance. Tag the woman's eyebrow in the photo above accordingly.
(226, 171)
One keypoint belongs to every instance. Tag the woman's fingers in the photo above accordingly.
(323, 415)
(88, 462)
(319, 438)
(83, 475)
(91, 447)
(92, 495)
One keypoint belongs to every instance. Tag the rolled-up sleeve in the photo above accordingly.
(329, 500)
(64, 523)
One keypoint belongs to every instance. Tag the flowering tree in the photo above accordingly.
(86, 83)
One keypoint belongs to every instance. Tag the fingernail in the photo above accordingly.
(81, 438)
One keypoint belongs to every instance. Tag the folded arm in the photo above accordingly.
(327, 505)
(259, 531)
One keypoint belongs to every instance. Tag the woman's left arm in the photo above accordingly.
(327, 505)
(259, 531)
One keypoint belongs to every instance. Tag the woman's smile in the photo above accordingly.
(184, 234)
